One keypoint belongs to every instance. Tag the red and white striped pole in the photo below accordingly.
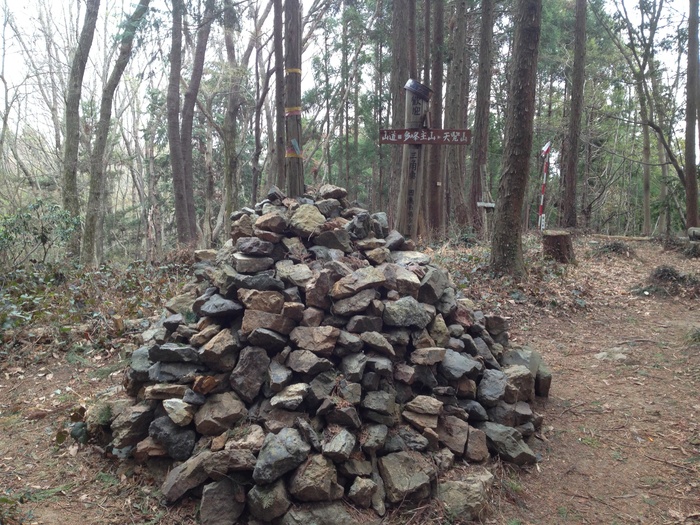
(545, 171)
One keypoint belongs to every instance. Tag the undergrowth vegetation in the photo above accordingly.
(547, 284)
(34, 233)
(692, 251)
(10, 511)
(65, 302)
(614, 247)
(666, 280)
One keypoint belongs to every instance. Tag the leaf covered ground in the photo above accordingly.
(621, 438)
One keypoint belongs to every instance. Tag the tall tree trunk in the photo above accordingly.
(646, 157)
(400, 73)
(98, 181)
(456, 114)
(639, 54)
(343, 160)
(427, 42)
(184, 232)
(570, 163)
(190, 99)
(691, 179)
(375, 193)
(294, 157)
(278, 166)
(585, 198)
(345, 107)
(71, 199)
(230, 128)
(506, 250)
(481, 115)
(664, 215)
(206, 148)
(327, 92)
(262, 86)
(658, 109)
(435, 175)
(151, 214)
(412, 46)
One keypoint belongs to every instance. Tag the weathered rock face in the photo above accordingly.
(268, 502)
(466, 498)
(280, 453)
(507, 443)
(328, 360)
(219, 413)
(406, 475)
(178, 442)
(223, 503)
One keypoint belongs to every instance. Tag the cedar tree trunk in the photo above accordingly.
(506, 249)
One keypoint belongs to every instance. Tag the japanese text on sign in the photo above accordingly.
(425, 136)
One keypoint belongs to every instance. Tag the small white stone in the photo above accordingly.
(291, 397)
(180, 412)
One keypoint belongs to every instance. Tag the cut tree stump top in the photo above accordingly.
(557, 245)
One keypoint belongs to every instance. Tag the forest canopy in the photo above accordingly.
(185, 111)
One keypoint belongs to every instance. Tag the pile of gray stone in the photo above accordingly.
(319, 358)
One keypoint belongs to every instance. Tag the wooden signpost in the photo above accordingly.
(412, 138)
(425, 136)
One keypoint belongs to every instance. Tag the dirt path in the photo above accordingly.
(620, 443)
(621, 437)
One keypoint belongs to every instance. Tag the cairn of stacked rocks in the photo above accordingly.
(318, 358)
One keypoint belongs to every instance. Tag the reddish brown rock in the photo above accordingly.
(477, 448)
(271, 302)
(453, 433)
(306, 362)
(164, 391)
(317, 290)
(420, 421)
(320, 340)
(404, 373)
(312, 317)
(220, 463)
(315, 480)
(253, 319)
(184, 477)
(149, 448)
(274, 238)
(205, 334)
(243, 227)
(219, 413)
(221, 353)
(427, 356)
(425, 405)
(295, 311)
(377, 342)
(273, 221)
(357, 281)
(355, 304)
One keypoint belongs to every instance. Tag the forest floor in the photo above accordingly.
(620, 442)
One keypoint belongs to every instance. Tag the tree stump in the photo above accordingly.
(557, 245)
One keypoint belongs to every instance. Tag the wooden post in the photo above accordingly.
(557, 245)
(486, 206)
(417, 96)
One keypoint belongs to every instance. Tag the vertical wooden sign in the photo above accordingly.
(417, 97)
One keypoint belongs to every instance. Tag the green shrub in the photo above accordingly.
(34, 233)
